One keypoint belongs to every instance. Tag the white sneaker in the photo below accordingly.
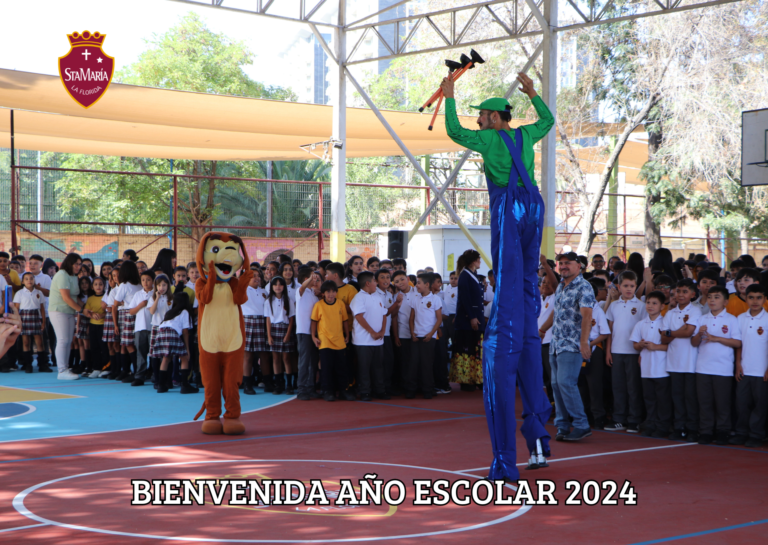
(102, 374)
(95, 374)
(68, 375)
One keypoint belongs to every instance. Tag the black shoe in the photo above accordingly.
(289, 391)
(162, 384)
(660, 434)
(349, 396)
(187, 388)
(632, 428)
(721, 438)
(647, 432)
(248, 386)
(692, 436)
(304, 397)
(328, 396)
(409, 395)
(383, 396)
(427, 396)
(678, 435)
(615, 426)
(138, 382)
(753, 443)
(127, 379)
(561, 434)
(578, 434)
(314, 395)
(704, 439)
(366, 397)
(737, 440)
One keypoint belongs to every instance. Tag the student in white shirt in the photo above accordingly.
(307, 295)
(707, 279)
(173, 340)
(404, 346)
(593, 368)
(29, 302)
(130, 283)
(43, 284)
(369, 327)
(82, 333)
(139, 307)
(255, 333)
(450, 298)
(288, 274)
(545, 317)
(657, 392)
(440, 365)
(162, 299)
(623, 314)
(716, 337)
(679, 326)
(279, 314)
(426, 317)
(752, 372)
(392, 305)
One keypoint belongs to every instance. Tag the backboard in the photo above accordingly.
(754, 147)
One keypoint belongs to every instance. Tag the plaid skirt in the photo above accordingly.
(109, 328)
(152, 337)
(127, 326)
(255, 334)
(82, 330)
(168, 343)
(31, 322)
(278, 332)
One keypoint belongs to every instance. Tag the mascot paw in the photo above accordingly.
(212, 427)
(233, 426)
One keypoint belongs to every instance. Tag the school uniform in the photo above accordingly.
(279, 316)
(681, 366)
(714, 374)
(593, 369)
(370, 351)
(108, 335)
(126, 323)
(387, 300)
(83, 323)
(487, 297)
(142, 330)
(49, 336)
(308, 354)
(425, 309)
(405, 353)
(169, 340)
(450, 299)
(29, 309)
(657, 392)
(334, 374)
(255, 323)
(163, 306)
(625, 373)
(99, 352)
(547, 306)
(752, 389)
(701, 302)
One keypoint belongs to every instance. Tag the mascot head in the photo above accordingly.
(223, 250)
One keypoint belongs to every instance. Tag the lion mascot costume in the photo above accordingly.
(221, 328)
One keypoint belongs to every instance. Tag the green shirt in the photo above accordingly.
(62, 281)
(498, 161)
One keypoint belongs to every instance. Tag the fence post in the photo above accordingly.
(13, 190)
(319, 222)
(175, 215)
(625, 228)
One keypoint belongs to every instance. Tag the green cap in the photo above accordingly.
(494, 104)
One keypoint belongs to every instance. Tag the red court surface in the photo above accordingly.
(78, 489)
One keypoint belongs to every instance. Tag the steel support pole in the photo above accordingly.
(467, 153)
(13, 189)
(549, 142)
(269, 199)
(175, 214)
(418, 167)
(40, 194)
(339, 132)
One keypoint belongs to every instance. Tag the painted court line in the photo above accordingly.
(593, 455)
(205, 443)
(24, 527)
(703, 533)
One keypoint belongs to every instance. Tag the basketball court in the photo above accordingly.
(67, 461)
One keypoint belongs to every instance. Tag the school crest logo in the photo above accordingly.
(86, 71)
(685, 318)
(429, 304)
(725, 329)
(454, 295)
(264, 295)
(593, 323)
(546, 306)
(634, 311)
(759, 330)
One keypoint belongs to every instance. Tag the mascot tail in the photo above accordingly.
(200, 412)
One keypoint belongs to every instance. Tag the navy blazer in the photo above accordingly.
(470, 302)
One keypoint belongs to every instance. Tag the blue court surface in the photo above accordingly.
(39, 406)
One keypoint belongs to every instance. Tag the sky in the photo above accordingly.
(37, 34)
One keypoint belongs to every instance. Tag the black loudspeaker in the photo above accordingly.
(397, 244)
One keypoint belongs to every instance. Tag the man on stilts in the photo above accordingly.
(511, 346)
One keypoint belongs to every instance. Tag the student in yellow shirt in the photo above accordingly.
(11, 276)
(737, 302)
(330, 333)
(96, 314)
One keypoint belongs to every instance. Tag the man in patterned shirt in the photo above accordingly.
(574, 300)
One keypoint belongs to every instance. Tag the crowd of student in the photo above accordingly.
(677, 349)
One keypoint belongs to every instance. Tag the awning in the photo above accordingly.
(147, 122)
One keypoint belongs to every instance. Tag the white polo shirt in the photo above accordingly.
(599, 324)
(754, 343)
(254, 306)
(681, 354)
(387, 300)
(125, 293)
(426, 308)
(488, 296)
(163, 306)
(716, 358)
(304, 305)
(372, 309)
(624, 315)
(547, 307)
(276, 311)
(179, 323)
(404, 314)
(450, 298)
(143, 317)
(29, 300)
(45, 282)
(653, 363)
(730, 286)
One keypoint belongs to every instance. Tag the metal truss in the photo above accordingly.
(301, 12)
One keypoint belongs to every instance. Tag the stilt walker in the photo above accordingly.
(511, 346)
